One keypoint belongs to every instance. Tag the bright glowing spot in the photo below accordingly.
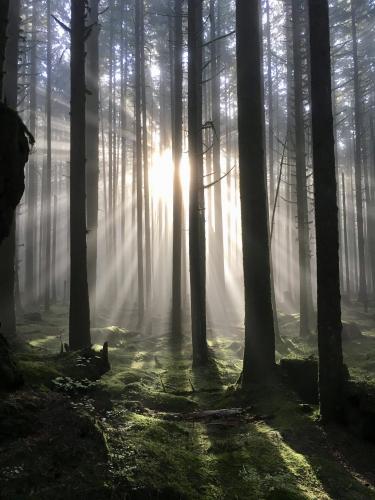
(161, 176)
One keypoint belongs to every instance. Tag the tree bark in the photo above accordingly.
(8, 246)
(259, 356)
(177, 187)
(79, 312)
(326, 217)
(92, 153)
(197, 240)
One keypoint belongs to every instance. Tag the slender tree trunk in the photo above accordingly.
(79, 313)
(138, 140)
(197, 241)
(270, 105)
(124, 92)
(4, 10)
(8, 246)
(48, 205)
(177, 187)
(92, 153)
(302, 205)
(326, 217)
(216, 118)
(345, 238)
(145, 161)
(362, 295)
(259, 357)
(32, 185)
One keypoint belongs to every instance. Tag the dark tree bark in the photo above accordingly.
(8, 247)
(259, 357)
(145, 163)
(218, 244)
(326, 217)
(32, 185)
(197, 243)
(362, 295)
(92, 152)
(48, 200)
(177, 108)
(345, 238)
(124, 93)
(4, 9)
(79, 313)
(138, 152)
(306, 306)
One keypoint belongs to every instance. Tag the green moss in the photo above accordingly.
(277, 453)
(38, 373)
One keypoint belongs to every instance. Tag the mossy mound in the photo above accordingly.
(62, 453)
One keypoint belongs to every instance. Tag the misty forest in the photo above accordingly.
(187, 249)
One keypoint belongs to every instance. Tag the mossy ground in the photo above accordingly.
(152, 447)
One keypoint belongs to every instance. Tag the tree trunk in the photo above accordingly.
(32, 185)
(8, 246)
(138, 140)
(218, 244)
(48, 205)
(79, 313)
(177, 187)
(92, 153)
(306, 306)
(197, 241)
(362, 295)
(259, 357)
(4, 10)
(326, 217)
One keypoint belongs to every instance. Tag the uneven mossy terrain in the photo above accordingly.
(142, 431)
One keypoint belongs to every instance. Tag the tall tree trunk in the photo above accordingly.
(259, 357)
(145, 162)
(177, 187)
(4, 10)
(326, 217)
(48, 206)
(32, 185)
(197, 241)
(306, 306)
(138, 140)
(79, 312)
(345, 238)
(8, 246)
(124, 92)
(270, 105)
(92, 153)
(362, 295)
(216, 118)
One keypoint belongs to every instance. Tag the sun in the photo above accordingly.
(161, 176)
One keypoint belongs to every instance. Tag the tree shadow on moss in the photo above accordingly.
(341, 462)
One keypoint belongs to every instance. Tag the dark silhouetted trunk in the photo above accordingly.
(362, 293)
(92, 153)
(32, 185)
(326, 217)
(177, 108)
(8, 246)
(306, 306)
(259, 357)
(197, 241)
(48, 204)
(79, 312)
(138, 152)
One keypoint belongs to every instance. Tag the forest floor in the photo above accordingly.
(154, 428)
